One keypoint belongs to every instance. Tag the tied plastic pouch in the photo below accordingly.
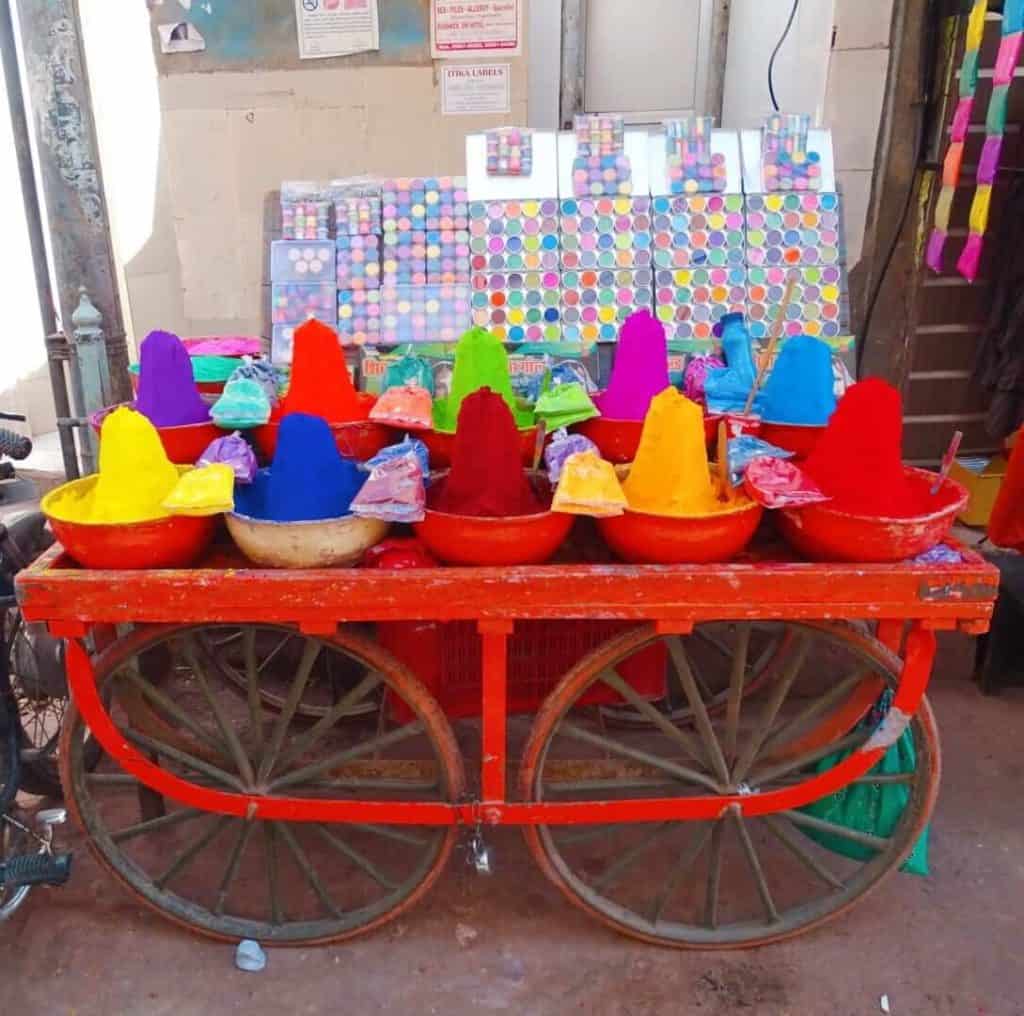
(776, 483)
(408, 405)
(744, 448)
(394, 492)
(562, 446)
(407, 446)
(233, 451)
(243, 405)
(589, 486)
(695, 376)
(200, 492)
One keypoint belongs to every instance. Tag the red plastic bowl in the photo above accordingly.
(800, 439)
(205, 387)
(618, 440)
(440, 446)
(360, 440)
(656, 539)
(174, 542)
(184, 445)
(521, 539)
(823, 533)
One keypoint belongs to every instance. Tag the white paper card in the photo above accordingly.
(461, 28)
(476, 89)
(336, 27)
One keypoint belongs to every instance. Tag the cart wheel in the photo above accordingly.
(273, 881)
(278, 652)
(711, 649)
(738, 881)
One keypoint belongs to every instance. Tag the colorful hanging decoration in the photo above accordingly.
(995, 128)
(958, 135)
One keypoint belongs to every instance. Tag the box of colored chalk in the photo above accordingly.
(423, 314)
(698, 231)
(293, 303)
(510, 152)
(519, 306)
(606, 233)
(818, 307)
(301, 261)
(514, 236)
(447, 256)
(281, 343)
(797, 230)
(359, 316)
(689, 302)
(446, 203)
(595, 304)
(358, 262)
(404, 258)
(305, 211)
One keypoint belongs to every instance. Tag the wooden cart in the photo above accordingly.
(250, 755)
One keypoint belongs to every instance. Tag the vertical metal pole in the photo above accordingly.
(69, 168)
(90, 372)
(574, 60)
(495, 708)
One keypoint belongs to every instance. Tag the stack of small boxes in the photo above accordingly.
(302, 267)
(425, 277)
(358, 244)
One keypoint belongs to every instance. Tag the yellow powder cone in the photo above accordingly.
(589, 486)
(670, 475)
(135, 474)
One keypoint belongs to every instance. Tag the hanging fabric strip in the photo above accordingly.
(958, 134)
(995, 128)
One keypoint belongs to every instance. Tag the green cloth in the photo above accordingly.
(564, 405)
(208, 369)
(873, 808)
(480, 362)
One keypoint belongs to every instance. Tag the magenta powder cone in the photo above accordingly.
(640, 371)
(168, 395)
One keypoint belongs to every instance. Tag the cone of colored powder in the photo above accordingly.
(309, 481)
(640, 371)
(480, 362)
(135, 474)
(800, 388)
(320, 382)
(858, 461)
(670, 475)
(726, 389)
(589, 486)
(487, 479)
(168, 395)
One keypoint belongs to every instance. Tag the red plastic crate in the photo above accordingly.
(447, 658)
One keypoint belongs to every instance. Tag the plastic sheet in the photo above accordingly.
(408, 406)
(224, 345)
(589, 486)
(695, 376)
(242, 406)
(201, 492)
(410, 369)
(565, 404)
(563, 445)
(776, 483)
(394, 492)
(744, 449)
(407, 446)
(233, 451)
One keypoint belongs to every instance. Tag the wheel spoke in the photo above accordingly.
(813, 710)
(687, 858)
(681, 663)
(736, 679)
(823, 826)
(184, 758)
(584, 835)
(771, 711)
(388, 833)
(307, 868)
(714, 876)
(309, 658)
(185, 857)
(275, 651)
(616, 682)
(771, 912)
(270, 849)
(785, 836)
(681, 773)
(111, 779)
(764, 777)
(576, 786)
(358, 859)
(232, 869)
(616, 870)
(152, 825)
(340, 758)
(252, 685)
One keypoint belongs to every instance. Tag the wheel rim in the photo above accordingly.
(277, 882)
(738, 881)
(40, 713)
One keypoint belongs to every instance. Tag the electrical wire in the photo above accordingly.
(775, 53)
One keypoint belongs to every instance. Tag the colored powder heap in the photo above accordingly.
(487, 479)
(671, 475)
(589, 486)
(564, 405)
(480, 362)
(320, 382)
(309, 480)
(640, 371)
(409, 406)
(726, 390)
(858, 463)
(801, 386)
(135, 474)
(168, 395)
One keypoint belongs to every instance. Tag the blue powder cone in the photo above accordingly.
(309, 480)
(726, 389)
(801, 387)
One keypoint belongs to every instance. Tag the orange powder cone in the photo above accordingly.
(321, 384)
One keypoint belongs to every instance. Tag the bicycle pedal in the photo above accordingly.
(35, 869)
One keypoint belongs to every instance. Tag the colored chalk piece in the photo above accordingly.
(358, 262)
(606, 233)
(701, 231)
(818, 307)
(509, 152)
(793, 230)
(424, 314)
(518, 306)
(601, 166)
(691, 166)
(786, 163)
(595, 304)
(305, 219)
(689, 302)
(293, 303)
(302, 261)
(359, 317)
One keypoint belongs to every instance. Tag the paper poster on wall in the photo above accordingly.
(462, 29)
(336, 27)
(468, 89)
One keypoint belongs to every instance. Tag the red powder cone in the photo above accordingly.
(321, 384)
(858, 461)
(487, 479)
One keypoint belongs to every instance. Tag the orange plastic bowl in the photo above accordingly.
(656, 539)
(184, 445)
(618, 440)
(800, 439)
(823, 533)
(174, 542)
(440, 446)
(359, 440)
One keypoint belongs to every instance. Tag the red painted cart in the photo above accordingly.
(251, 756)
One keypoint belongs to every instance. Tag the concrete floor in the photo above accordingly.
(948, 944)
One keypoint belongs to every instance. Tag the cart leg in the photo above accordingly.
(495, 635)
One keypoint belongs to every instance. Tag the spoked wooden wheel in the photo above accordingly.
(711, 650)
(278, 651)
(274, 881)
(736, 881)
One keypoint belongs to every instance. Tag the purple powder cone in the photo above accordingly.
(168, 395)
(640, 371)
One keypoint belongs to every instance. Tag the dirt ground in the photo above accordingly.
(948, 944)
